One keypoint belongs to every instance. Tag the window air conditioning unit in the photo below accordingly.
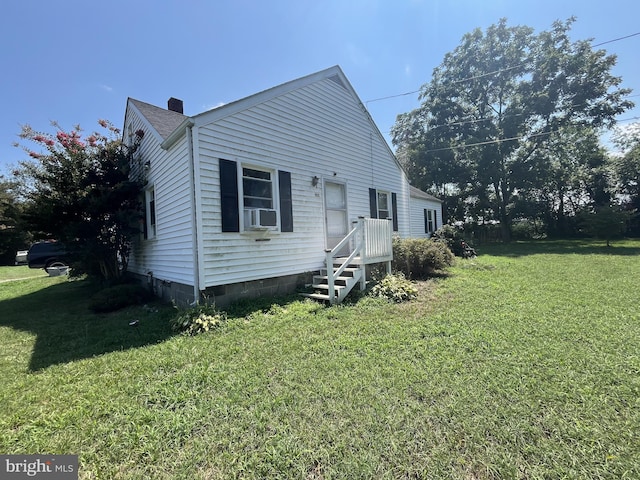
(260, 218)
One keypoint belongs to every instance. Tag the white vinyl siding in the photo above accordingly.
(426, 217)
(170, 254)
(318, 130)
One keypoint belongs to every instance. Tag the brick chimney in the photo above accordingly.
(175, 105)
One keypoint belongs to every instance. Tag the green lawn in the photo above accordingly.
(523, 363)
(20, 271)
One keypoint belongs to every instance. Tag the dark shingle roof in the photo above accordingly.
(164, 121)
(417, 193)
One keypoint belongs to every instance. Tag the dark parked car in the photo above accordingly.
(46, 255)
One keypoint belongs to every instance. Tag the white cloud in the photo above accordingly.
(407, 70)
(210, 106)
(106, 88)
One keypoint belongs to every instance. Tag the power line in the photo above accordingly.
(490, 73)
(478, 120)
(391, 96)
(500, 140)
(488, 142)
(630, 119)
(616, 39)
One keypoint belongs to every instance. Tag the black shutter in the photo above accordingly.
(394, 210)
(426, 221)
(286, 205)
(373, 203)
(435, 220)
(229, 196)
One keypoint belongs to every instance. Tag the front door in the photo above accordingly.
(335, 199)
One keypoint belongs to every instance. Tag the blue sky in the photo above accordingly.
(76, 62)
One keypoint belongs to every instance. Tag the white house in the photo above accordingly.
(426, 213)
(244, 199)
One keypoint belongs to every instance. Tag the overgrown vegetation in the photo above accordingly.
(420, 258)
(522, 363)
(198, 319)
(453, 238)
(395, 287)
(120, 296)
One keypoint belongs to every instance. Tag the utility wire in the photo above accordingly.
(616, 39)
(479, 120)
(490, 73)
(391, 96)
(488, 142)
(630, 119)
(500, 140)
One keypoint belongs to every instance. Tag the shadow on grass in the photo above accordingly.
(66, 330)
(561, 247)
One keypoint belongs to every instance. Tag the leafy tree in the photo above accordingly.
(606, 222)
(81, 191)
(497, 99)
(627, 166)
(13, 236)
(626, 172)
(566, 173)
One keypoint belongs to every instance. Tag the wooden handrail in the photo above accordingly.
(332, 253)
(372, 244)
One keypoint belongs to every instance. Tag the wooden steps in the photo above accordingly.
(343, 284)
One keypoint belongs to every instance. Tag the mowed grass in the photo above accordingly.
(523, 363)
(20, 271)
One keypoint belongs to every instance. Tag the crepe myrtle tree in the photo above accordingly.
(82, 191)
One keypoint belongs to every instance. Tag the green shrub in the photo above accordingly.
(452, 237)
(525, 229)
(418, 258)
(198, 319)
(119, 296)
(395, 287)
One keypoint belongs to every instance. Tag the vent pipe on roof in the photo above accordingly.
(175, 105)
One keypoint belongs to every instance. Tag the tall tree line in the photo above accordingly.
(508, 127)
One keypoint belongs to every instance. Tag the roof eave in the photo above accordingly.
(177, 134)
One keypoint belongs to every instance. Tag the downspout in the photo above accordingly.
(194, 216)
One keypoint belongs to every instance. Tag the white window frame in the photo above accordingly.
(389, 208)
(429, 220)
(151, 212)
(257, 179)
(275, 199)
(129, 140)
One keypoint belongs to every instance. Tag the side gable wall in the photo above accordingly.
(418, 206)
(170, 254)
(319, 130)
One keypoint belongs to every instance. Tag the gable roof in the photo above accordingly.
(171, 125)
(417, 193)
(334, 73)
(163, 121)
